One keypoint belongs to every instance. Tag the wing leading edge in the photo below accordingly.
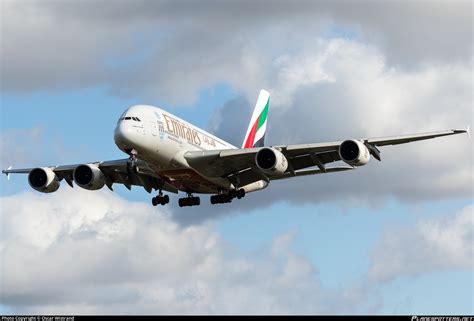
(239, 164)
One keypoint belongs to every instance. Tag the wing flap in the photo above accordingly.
(307, 172)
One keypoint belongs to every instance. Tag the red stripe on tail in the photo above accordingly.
(251, 138)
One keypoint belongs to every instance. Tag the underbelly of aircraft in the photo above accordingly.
(188, 180)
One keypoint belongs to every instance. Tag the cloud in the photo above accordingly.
(30, 147)
(171, 50)
(342, 89)
(23, 147)
(93, 252)
(434, 244)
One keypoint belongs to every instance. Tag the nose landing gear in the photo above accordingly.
(132, 161)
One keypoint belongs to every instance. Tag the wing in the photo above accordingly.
(238, 165)
(115, 172)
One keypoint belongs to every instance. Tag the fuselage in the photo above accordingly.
(161, 139)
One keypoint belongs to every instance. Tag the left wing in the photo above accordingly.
(115, 172)
(239, 164)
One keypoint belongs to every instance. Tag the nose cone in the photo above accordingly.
(124, 135)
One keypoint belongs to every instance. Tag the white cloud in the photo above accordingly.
(14, 152)
(171, 50)
(436, 244)
(92, 252)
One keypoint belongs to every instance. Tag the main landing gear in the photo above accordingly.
(160, 199)
(189, 201)
(227, 198)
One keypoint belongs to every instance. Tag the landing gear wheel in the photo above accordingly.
(240, 193)
(162, 200)
(227, 198)
(221, 199)
(189, 201)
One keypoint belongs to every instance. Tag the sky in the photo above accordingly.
(393, 237)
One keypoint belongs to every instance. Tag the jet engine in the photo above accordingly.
(89, 176)
(271, 161)
(43, 180)
(354, 153)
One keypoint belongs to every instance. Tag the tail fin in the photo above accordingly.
(258, 123)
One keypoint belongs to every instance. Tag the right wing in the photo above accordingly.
(115, 172)
(239, 164)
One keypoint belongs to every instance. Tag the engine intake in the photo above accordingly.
(271, 161)
(43, 180)
(89, 176)
(354, 153)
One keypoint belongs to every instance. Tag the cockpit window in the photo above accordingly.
(130, 118)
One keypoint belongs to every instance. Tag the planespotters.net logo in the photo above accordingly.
(416, 318)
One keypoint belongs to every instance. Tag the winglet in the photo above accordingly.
(468, 132)
(7, 173)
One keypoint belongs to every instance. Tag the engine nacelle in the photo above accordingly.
(89, 176)
(271, 161)
(43, 180)
(354, 153)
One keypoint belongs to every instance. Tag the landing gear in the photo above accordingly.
(132, 163)
(227, 198)
(220, 199)
(189, 201)
(160, 199)
(238, 193)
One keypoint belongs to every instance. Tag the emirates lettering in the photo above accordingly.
(177, 128)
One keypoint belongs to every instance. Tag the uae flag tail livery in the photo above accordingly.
(258, 123)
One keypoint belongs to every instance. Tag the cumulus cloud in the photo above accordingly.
(30, 147)
(93, 252)
(14, 152)
(170, 50)
(435, 244)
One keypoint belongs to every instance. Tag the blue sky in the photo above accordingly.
(341, 231)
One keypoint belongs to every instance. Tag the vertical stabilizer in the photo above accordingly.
(258, 123)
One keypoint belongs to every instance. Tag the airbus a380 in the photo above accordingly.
(168, 154)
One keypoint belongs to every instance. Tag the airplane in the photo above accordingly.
(166, 153)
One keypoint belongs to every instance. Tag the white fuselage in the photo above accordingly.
(161, 139)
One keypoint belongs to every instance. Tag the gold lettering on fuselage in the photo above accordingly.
(176, 128)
